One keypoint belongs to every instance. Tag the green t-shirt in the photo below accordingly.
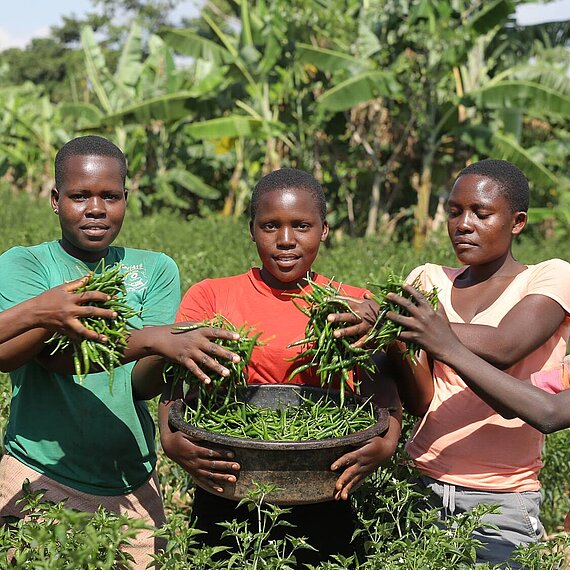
(82, 434)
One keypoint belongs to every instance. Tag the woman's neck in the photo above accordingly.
(505, 267)
(81, 254)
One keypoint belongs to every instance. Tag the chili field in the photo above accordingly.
(391, 535)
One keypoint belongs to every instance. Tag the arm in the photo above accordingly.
(509, 396)
(211, 468)
(414, 380)
(195, 349)
(192, 349)
(360, 463)
(504, 346)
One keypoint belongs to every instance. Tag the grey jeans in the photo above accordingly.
(517, 521)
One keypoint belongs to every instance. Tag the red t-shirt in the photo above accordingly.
(246, 299)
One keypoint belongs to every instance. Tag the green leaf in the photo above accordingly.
(129, 65)
(328, 59)
(363, 87)
(192, 183)
(493, 14)
(191, 44)
(96, 67)
(232, 126)
(537, 215)
(84, 113)
(367, 41)
(166, 108)
(524, 95)
(507, 148)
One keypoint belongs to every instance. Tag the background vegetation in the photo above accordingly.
(383, 100)
(392, 534)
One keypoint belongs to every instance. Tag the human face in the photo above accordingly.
(481, 224)
(287, 231)
(90, 204)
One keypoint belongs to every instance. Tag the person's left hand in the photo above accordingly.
(359, 464)
(359, 322)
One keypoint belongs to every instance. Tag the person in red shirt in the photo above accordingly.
(287, 224)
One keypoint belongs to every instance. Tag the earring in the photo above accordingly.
(55, 211)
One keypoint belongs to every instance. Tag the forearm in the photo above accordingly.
(23, 348)
(140, 343)
(392, 436)
(147, 341)
(163, 409)
(414, 381)
(510, 396)
(17, 320)
(489, 343)
(503, 346)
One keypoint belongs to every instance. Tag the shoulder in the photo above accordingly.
(549, 278)
(26, 257)
(147, 255)
(430, 274)
(155, 261)
(549, 271)
(555, 265)
(26, 252)
(210, 296)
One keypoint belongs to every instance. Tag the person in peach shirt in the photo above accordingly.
(513, 316)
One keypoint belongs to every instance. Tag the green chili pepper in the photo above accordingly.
(107, 355)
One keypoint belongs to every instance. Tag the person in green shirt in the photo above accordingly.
(77, 439)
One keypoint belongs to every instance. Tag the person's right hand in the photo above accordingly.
(60, 309)
(195, 348)
(210, 468)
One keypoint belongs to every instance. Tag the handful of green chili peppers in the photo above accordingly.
(333, 357)
(217, 407)
(243, 347)
(89, 354)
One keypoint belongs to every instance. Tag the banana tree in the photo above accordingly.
(364, 89)
(261, 86)
(423, 47)
(144, 102)
(512, 104)
(31, 131)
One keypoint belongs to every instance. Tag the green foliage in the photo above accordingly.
(392, 533)
(383, 100)
(55, 537)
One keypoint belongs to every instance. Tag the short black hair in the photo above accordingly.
(90, 145)
(286, 178)
(511, 180)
